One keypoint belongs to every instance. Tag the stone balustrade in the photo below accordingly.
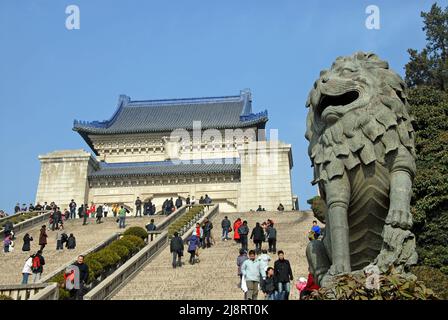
(40, 291)
(23, 226)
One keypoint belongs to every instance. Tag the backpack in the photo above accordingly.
(36, 263)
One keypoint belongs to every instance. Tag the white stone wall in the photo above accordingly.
(265, 176)
(63, 177)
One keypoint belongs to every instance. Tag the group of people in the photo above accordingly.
(254, 273)
(200, 238)
(262, 232)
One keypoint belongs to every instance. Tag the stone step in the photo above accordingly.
(215, 277)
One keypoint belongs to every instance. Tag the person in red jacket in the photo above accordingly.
(92, 210)
(236, 225)
(310, 286)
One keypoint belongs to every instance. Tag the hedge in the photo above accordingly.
(136, 231)
(180, 222)
(434, 279)
(18, 218)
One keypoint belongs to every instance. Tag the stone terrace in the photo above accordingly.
(86, 237)
(215, 277)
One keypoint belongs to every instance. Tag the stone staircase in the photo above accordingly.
(215, 277)
(86, 237)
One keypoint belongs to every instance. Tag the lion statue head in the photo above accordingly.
(358, 113)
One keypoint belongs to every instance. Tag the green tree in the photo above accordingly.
(430, 66)
(426, 76)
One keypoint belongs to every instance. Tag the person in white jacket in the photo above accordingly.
(27, 270)
(264, 259)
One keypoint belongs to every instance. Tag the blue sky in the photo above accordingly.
(172, 49)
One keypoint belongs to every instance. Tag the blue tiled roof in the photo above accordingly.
(230, 165)
(167, 115)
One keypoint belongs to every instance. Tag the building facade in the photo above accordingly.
(158, 149)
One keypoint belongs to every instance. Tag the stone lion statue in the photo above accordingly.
(361, 145)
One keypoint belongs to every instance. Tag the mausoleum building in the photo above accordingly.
(158, 149)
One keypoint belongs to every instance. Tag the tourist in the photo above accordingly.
(252, 274)
(178, 202)
(83, 277)
(122, 218)
(187, 201)
(151, 227)
(225, 225)
(92, 210)
(147, 208)
(105, 210)
(24, 208)
(201, 200)
(193, 247)
(115, 209)
(38, 266)
(243, 231)
(301, 285)
(259, 208)
(59, 245)
(31, 207)
(199, 232)
(239, 262)
(72, 207)
(264, 259)
(38, 207)
(138, 207)
(6, 244)
(272, 237)
(17, 208)
(8, 228)
(81, 211)
(283, 274)
(208, 226)
(99, 214)
(43, 237)
(316, 229)
(280, 207)
(71, 242)
(193, 201)
(177, 250)
(269, 285)
(66, 214)
(236, 225)
(27, 269)
(85, 214)
(258, 236)
(310, 287)
(27, 242)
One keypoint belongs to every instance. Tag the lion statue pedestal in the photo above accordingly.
(362, 150)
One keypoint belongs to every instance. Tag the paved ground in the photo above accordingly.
(86, 237)
(215, 277)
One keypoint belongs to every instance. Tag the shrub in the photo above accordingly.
(393, 286)
(4, 297)
(128, 244)
(434, 279)
(119, 249)
(138, 242)
(95, 267)
(136, 231)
